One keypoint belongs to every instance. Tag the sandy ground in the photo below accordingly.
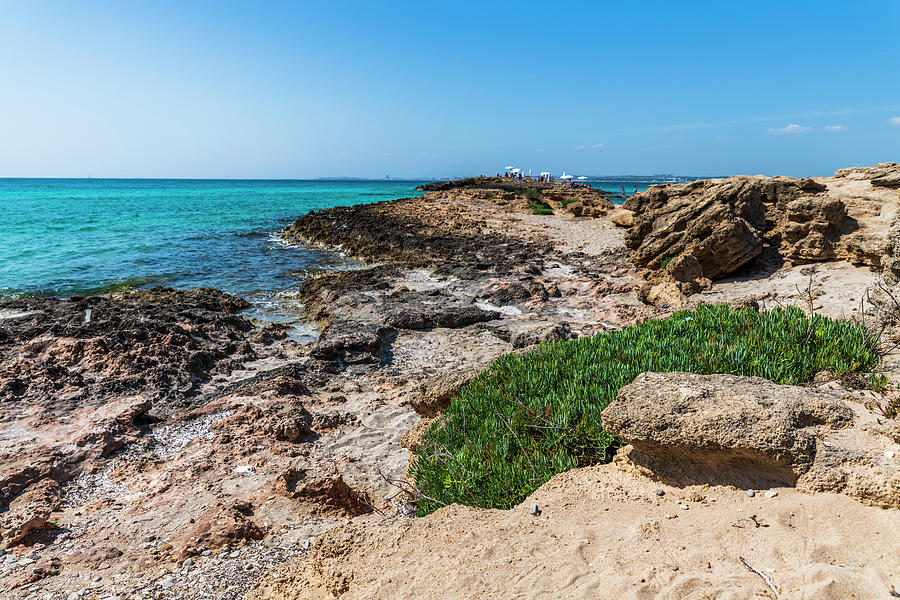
(838, 288)
(604, 532)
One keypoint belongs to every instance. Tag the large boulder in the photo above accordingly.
(724, 223)
(751, 432)
(743, 430)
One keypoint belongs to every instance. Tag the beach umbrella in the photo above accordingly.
(509, 167)
(545, 173)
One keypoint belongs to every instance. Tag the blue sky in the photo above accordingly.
(295, 90)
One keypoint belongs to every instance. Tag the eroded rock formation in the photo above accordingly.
(726, 223)
(751, 432)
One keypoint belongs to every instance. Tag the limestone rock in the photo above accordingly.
(682, 277)
(433, 395)
(719, 222)
(726, 223)
(879, 175)
(531, 334)
(333, 495)
(29, 513)
(623, 218)
(222, 526)
(745, 431)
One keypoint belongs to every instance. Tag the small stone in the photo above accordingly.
(771, 494)
(535, 510)
(244, 470)
(660, 492)
(206, 553)
(684, 507)
(188, 562)
(750, 493)
(166, 582)
(889, 454)
(96, 578)
(234, 554)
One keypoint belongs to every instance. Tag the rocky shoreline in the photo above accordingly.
(157, 444)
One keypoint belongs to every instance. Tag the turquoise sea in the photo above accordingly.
(64, 237)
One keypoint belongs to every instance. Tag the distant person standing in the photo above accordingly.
(623, 190)
(635, 189)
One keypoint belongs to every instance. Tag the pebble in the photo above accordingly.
(535, 510)
(660, 492)
(188, 562)
(234, 554)
(244, 470)
(750, 493)
(206, 553)
(889, 454)
(771, 494)
(684, 507)
(166, 582)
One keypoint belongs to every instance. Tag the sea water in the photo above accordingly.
(64, 237)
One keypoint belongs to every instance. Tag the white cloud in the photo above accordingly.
(792, 128)
(594, 147)
(895, 121)
(835, 128)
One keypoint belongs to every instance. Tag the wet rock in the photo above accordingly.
(722, 428)
(450, 239)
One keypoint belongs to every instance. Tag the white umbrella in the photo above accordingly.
(509, 167)
(545, 173)
(516, 170)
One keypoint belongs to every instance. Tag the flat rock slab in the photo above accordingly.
(744, 431)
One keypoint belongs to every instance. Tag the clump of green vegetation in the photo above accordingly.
(540, 209)
(532, 416)
(567, 201)
(665, 262)
(534, 194)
